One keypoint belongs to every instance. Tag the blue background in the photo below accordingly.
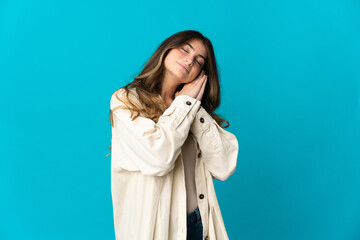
(290, 78)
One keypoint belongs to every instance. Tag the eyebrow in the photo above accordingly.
(193, 49)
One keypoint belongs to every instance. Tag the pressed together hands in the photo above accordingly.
(195, 88)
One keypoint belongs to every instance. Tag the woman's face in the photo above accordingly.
(185, 62)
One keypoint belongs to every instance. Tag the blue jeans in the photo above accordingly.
(194, 225)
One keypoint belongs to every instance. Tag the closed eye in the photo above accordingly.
(188, 52)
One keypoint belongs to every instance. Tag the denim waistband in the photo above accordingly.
(194, 216)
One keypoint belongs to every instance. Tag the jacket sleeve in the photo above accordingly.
(219, 148)
(146, 146)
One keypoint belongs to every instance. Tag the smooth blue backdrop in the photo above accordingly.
(290, 78)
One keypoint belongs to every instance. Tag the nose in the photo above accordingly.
(189, 61)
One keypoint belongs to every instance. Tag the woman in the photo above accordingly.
(168, 145)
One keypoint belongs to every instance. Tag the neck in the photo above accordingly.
(168, 89)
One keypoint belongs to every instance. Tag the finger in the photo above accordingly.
(202, 90)
(203, 85)
(203, 79)
(200, 75)
(197, 82)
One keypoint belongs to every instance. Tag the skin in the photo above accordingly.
(175, 74)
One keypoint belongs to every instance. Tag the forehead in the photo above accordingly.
(197, 46)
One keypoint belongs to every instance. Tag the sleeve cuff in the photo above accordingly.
(183, 106)
(201, 122)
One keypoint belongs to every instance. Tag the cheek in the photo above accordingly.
(194, 75)
(170, 58)
(173, 56)
(198, 70)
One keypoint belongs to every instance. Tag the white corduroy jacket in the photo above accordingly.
(147, 172)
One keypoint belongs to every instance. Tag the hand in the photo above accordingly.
(195, 88)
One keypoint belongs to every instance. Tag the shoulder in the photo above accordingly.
(120, 97)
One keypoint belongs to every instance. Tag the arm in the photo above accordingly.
(219, 148)
(149, 147)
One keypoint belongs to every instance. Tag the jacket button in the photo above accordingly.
(202, 120)
(188, 102)
(199, 154)
(201, 196)
(206, 238)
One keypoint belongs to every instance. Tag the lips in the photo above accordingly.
(183, 67)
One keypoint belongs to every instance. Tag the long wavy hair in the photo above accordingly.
(149, 82)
